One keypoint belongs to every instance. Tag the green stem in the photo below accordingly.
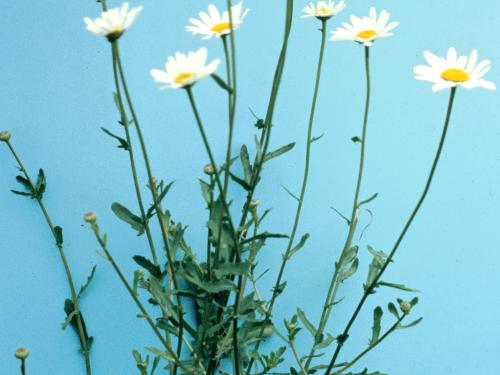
(286, 256)
(370, 347)
(334, 284)
(69, 277)
(23, 366)
(297, 358)
(102, 242)
(231, 99)
(226, 209)
(156, 201)
(369, 289)
(125, 123)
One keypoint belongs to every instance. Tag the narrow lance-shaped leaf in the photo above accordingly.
(299, 246)
(309, 326)
(148, 265)
(397, 286)
(280, 151)
(122, 142)
(245, 162)
(84, 287)
(221, 82)
(127, 216)
(377, 318)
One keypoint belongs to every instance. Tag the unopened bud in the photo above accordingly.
(405, 307)
(209, 169)
(254, 203)
(90, 217)
(4, 136)
(22, 353)
(154, 180)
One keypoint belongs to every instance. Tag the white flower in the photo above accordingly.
(184, 70)
(113, 22)
(454, 71)
(213, 24)
(323, 10)
(367, 29)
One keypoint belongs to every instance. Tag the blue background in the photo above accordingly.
(56, 93)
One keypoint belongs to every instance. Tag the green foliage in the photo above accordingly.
(124, 214)
(35, 191)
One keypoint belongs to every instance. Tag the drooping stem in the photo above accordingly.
(67, 270)
(226, 210)
(309, 140)
(334, 283)
(369, 288)
(102, 242)
(130, 150)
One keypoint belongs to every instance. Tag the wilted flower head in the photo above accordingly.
(213, 24)
(367, 29)
(22, 353)
(323, 10)
(113, 22)
(90, 217)
(209, 169)
(184, 70)
(454, 71)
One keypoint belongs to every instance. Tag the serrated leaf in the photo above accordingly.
(87, 283)
(145, 263)
(122, 142)
(280, 151)
(124, 214)
(221, 82)
(309, 326)
(69, 309)
(377, 318)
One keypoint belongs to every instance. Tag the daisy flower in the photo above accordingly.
(367, 29)
(323, 10)
(454, 71)
(184, 70)
(113, 22)
(215, 24)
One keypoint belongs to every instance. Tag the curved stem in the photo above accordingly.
(23, 366)
(67, 270)
(286, 256)
(370, 288)
(156, 201)
(334, 284)
(125, 124)
(102, 242)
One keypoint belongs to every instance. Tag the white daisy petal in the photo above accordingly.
(113, 22)
(323, 10)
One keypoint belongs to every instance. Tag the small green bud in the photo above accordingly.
(254, 203)
(90, 217)
(405, 307)
(4, 136)
(209, 169)
(22, 353)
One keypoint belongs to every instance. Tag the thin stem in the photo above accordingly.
(125, 124)
(407, 226)
(297, 358)
(231, 98)
(334, 284)
(102, 242)
(156, 201)
(286, 256)
(226, 209)
(23, 366)
(370, 347)
(69, 277)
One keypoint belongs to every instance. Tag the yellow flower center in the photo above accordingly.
(366, 34)
(118, 29)
(455, 75)
(183, 77)
(323, 12)
(221, 27)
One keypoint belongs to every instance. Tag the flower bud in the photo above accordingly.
(22, 353)
(405, 307)
(90, 217)
(4, 136)
(254, 204)
(209, 169)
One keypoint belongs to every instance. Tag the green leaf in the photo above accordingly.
(69, 309)
(299, 246)
(326, 342)
(412, 324)
(58, 233)
(377, 318)
(356, 139)
(122, 142)
(165, 355)
(145, 263)
(350, 271)
(309, 326)
(41, 184)
(280, 151)
(366, 201)
(393, 310)
(124, 214)
(264, 235)
(221, 82)
(314, 139)
(365, 372)
(87, 283)
(291, 194)
(397, 286)
(206, 191)
(245, 185)
(228, 269)
(245, 162)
